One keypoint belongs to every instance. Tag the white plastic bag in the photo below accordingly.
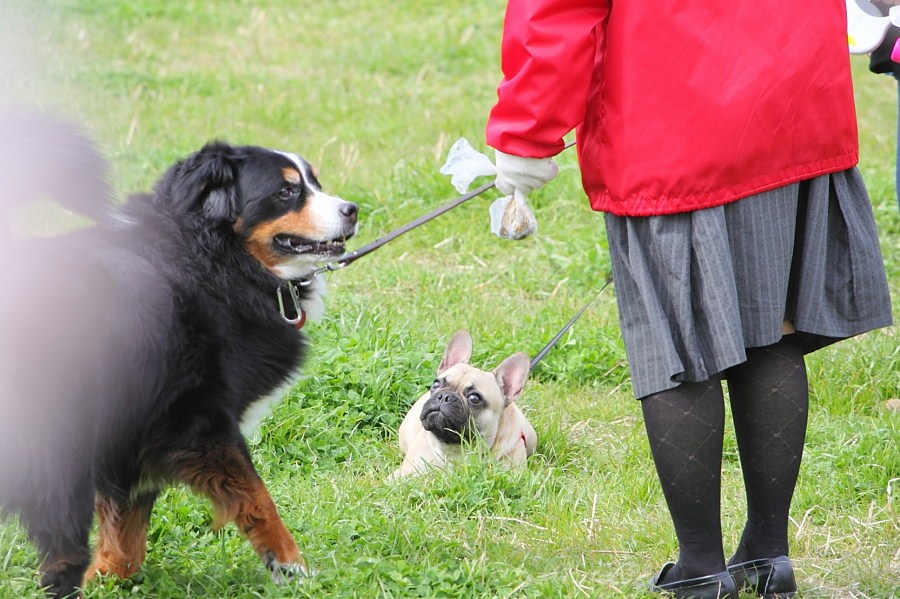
(511, 218)
(465, 164)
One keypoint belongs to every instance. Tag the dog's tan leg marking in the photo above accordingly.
(258, 519)
(226, 475)
(122, 542)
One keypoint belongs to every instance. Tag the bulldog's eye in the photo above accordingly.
(286, 193)
(435, 384)
(474, 398)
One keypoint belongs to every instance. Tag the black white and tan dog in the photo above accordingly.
(464, 405)
(135, 351)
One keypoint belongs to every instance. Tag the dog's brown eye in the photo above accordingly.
(475, 398)
(435, 384)
(286, 193)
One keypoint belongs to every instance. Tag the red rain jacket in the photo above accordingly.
(679, 104)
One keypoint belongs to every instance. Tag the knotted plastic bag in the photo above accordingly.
(511, 217)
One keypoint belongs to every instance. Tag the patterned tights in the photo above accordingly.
(769, 403)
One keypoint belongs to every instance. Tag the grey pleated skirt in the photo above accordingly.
(696, 289)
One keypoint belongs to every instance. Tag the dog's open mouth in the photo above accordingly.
(293, 244)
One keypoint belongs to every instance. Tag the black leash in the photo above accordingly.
(355, 255)
(540, 355)
(350, 257)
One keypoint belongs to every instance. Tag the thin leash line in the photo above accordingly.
(371, 247)
(540, 355)
(345, 259)
(350, 257)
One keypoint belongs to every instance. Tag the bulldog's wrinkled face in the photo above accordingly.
(465, 403)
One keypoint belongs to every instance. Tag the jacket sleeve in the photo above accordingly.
(547, 56)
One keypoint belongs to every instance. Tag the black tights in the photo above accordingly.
(769, 402)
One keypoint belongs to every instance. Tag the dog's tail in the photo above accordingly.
(45, 157)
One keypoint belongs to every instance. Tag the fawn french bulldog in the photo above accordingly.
(465, 403)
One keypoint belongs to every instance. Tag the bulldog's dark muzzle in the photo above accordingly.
(446, 415)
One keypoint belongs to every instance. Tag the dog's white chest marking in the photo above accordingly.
(314, 306)
(260, 408)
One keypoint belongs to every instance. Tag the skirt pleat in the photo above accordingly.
(696, 289)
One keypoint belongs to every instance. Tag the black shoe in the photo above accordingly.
(771, 578)
(714, 586)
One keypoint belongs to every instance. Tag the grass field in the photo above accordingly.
(374, 92)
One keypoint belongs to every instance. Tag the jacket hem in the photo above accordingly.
(602, 201)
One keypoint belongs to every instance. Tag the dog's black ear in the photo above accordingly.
(204, 182)
(512, 374)
(458, 350)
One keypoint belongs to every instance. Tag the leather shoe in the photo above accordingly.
(714, 586)
(771, 578)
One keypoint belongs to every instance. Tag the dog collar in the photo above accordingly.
(300, 319)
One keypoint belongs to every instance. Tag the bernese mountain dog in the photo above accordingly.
(135, 350)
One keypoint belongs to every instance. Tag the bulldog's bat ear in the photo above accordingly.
(459, 350)
(512, 374)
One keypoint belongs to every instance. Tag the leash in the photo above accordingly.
(540, 355)
(350, 257)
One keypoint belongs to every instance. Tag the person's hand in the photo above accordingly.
(515, 173)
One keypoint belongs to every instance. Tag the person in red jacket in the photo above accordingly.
(720, 141)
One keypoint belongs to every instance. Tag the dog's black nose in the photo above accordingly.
(350, 211)
(443, 396)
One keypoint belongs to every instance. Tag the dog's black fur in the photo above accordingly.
(133, 349)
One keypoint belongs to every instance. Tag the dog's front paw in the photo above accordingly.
(283, 573)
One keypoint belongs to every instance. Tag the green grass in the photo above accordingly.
(375, 92)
